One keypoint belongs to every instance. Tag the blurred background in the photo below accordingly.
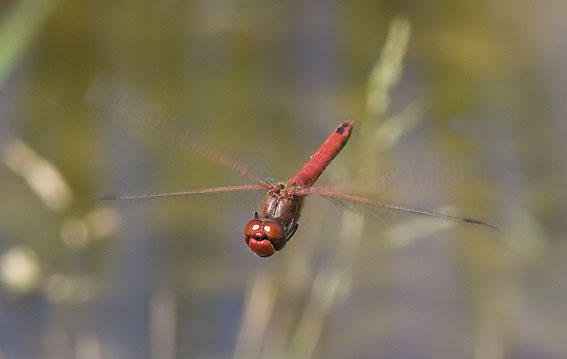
(459, 108)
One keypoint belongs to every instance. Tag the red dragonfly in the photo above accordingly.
(269, 232)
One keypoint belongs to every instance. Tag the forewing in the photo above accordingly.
(374, 208)
(122, 103)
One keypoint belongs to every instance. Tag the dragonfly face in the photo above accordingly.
(264, 236)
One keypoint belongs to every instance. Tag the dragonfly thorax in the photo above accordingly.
(282, 204)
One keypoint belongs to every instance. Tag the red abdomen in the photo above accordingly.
(307, 176)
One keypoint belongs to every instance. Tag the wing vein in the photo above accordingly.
(334, 196)
(249, 187)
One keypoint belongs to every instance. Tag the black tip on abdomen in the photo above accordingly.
(341, 129)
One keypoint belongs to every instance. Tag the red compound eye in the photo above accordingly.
(275, 233)
(253, 228)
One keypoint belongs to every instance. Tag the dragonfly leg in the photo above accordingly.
(292, 231)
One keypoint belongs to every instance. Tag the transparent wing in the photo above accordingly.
(421, 181)
(249, 187)
(367, 206)
(120, 102)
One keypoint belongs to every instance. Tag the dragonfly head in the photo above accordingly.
(264, 236)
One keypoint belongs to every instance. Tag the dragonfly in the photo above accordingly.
(271, 229)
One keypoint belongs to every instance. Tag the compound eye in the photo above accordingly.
(253, 227)
(276, 234)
